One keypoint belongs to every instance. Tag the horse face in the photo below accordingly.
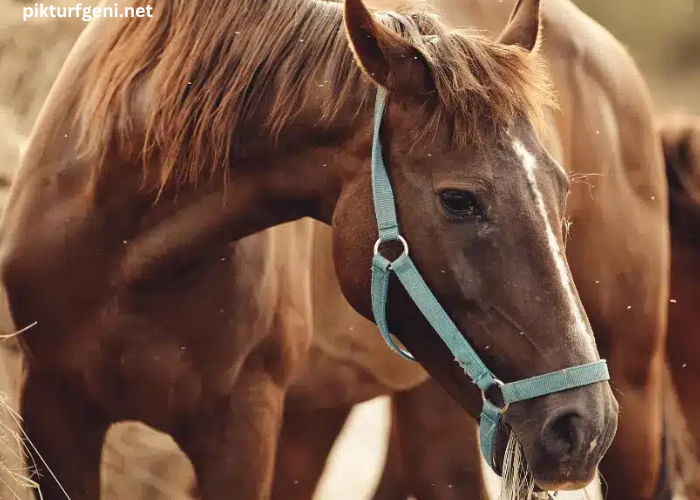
(484, 225)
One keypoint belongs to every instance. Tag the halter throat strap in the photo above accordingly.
(420, 293)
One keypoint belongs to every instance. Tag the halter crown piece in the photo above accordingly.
(410, 278)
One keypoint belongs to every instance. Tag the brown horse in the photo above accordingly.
(618, 252)
(433, 452)
(166, 140)
(681, 142)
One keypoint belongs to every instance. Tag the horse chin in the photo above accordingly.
(567, 486)
(576, 485)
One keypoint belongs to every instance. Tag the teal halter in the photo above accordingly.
(421, 295)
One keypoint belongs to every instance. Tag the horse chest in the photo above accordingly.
(349, 363)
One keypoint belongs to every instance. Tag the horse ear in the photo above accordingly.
(523, 27)
(385, 57)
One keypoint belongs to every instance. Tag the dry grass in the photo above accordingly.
(14, 481)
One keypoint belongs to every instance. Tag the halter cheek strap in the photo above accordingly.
(418, 290)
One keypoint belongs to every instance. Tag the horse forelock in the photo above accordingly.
(213, 62)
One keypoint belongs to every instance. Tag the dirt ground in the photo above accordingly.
(138, 465)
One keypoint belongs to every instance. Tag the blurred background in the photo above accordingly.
(663, 36)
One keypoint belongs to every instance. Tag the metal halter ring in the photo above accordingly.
(500, 385)
(398, 237)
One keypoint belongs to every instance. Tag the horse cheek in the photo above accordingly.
(354, 234)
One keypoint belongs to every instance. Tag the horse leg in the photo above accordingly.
(232, 441)
(633, 464)
(64, 438)
(437, 446)
(305, 442)
(392, 483)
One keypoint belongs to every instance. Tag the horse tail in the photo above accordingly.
(680, 138)
(680, 470)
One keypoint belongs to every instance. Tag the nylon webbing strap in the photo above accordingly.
(488, 430)
(558, 381)
(380, 293)
(384, 207)
(431, 309)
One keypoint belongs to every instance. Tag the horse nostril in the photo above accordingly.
(562, 434)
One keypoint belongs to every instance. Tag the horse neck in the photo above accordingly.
(263, 193)
(300, 177)
(300, 172)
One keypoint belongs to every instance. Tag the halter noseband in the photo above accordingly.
(418, 290)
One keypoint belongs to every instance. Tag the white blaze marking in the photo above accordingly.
(530, 165)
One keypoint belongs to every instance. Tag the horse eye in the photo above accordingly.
(461, 203)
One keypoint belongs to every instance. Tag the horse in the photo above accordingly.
(680, 136)
(346, 364)
(605, 136)
(165, 140)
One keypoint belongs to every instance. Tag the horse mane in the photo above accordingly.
(213, 63)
